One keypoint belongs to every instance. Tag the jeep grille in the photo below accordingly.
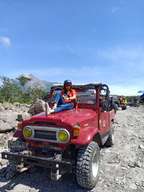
(49, 135)
(45, 133)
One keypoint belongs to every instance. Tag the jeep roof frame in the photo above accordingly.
(99, 86)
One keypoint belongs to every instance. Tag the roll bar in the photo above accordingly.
(99, 87)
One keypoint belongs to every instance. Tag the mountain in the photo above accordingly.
(31, 81)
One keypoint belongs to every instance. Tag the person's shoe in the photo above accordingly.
(55, 106)
(47, 109)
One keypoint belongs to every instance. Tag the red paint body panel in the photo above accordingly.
(69, 117)
(87, 118)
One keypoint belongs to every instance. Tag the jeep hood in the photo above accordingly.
(68, 117)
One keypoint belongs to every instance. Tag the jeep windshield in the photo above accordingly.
(88, 96)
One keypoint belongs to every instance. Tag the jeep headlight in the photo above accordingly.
(27, 132)
(63, 136)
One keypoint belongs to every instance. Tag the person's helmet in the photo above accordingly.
(67, 83)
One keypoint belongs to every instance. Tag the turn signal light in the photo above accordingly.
(19, 126)
(76, 130)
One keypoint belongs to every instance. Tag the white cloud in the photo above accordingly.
(5, 41)
(120, 67)
(83, 75)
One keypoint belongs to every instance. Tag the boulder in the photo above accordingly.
(37, 107)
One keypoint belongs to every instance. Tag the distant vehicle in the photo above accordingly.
(116, 100)
(133, 101)
(123, 102)
(68, 141)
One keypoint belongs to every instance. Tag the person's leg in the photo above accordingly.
(65, 106)
(58, 99)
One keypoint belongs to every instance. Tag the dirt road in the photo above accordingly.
(122, 166)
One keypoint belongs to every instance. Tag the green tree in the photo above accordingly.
(37, 93)
(9, 90)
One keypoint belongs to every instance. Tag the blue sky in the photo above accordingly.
(81, 40)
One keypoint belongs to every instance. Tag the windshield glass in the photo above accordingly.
(87, 96)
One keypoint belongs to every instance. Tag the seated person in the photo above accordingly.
(63, 100)
(104, 103)
(112, 104)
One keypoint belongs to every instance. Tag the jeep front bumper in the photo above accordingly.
(47, 162)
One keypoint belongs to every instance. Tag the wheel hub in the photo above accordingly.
(95, 165)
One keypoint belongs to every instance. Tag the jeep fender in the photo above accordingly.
(85, 137)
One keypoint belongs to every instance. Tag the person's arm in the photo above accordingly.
(73, 95)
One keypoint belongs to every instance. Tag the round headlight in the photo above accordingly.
(27, 132)
(63, 136)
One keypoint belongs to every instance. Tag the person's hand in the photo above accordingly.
(65, 97)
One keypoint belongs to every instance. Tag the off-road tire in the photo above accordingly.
(86, 158)
(8, 172)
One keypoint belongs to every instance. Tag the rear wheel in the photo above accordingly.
(87, 168)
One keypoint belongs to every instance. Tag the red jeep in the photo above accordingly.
(68, 141)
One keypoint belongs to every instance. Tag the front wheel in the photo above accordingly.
(87, 168)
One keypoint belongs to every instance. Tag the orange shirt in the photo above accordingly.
(71, 94)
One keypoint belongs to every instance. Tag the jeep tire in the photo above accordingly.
(87, 167)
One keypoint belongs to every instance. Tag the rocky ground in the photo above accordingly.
(122, 166)
(8, 115)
